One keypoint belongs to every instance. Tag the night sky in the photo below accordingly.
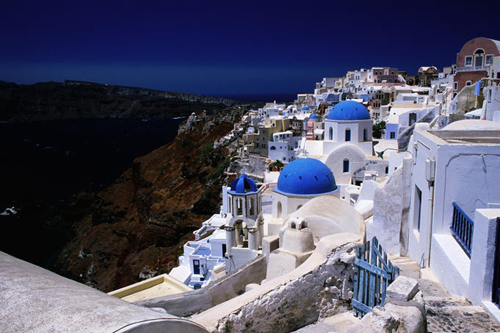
(231, 47)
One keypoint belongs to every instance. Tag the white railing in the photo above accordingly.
(472, 68)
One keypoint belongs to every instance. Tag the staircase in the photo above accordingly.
(445, 312)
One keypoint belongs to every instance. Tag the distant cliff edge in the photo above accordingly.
(136, 228)
(79, 99)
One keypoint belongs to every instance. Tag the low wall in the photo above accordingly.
(320, 287)
(35, 299)
(219, 291)
(325, 291)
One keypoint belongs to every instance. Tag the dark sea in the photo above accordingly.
(42, 164)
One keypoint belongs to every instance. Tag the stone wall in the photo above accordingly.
(323, 292)
(390, 211)
(230, 286)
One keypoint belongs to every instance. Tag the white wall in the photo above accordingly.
(418, 242)
(465, 173)
(483, 255)
(335, 161)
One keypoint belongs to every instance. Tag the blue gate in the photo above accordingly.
(373, 273)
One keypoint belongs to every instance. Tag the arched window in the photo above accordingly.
(278, 213)
(468, 83)
(331, 133)
(478, 57)
(346, 165)
(273, 148)
(348, 134)
(239, 207)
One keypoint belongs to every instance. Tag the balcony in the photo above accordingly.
(472, 69)
(462, 229)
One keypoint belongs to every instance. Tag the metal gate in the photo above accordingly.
(373, 273)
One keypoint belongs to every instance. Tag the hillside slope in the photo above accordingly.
(135, 228)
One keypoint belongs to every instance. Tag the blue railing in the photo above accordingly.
(462, 228)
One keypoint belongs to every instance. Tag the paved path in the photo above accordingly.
(445, 312)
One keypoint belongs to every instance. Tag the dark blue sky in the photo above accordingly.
(231, 47)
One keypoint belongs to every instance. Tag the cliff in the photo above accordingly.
(135, 228)
(77, 99)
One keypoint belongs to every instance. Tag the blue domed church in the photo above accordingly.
(347, 144)
(350, 122)
(299, 182)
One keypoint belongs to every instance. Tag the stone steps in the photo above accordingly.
(407, 267)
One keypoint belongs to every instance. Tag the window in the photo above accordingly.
(479, 56)
(273, 148)
(392, 135)
(252, 207)
(468, 83)
(239, 207)
(418, 208)
(455, 85)
(348, 134)
(468, 61)
(331, 133)
(346, 165)
(489, 60)
(278, 213)
(365, 134)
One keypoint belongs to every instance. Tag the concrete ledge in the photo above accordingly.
(450, 264)
(492, 309)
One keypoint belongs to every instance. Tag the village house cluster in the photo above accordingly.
(426, 186)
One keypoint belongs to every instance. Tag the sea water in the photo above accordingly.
(42, 164)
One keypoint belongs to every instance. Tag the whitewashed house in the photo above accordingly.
(455, 196)
(284, 147)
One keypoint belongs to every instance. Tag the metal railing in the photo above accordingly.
(472, 68)
(462, 229)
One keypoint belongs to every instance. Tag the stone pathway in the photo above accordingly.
(445, 312)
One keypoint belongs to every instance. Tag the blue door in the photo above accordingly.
(196, 266)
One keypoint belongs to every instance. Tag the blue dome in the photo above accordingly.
(349, 110)
(306, 176)
(305, 108)
(314, 117)
(243, 184)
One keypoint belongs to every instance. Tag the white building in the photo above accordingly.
(299, 182)
(455, 196)
(244, 225)
(284, 147)
(228, 239)
(406, 110)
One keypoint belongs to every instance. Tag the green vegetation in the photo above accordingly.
(377, 129)
(220, 169)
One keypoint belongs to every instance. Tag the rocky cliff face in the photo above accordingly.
(76, 100)
(136, 228)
